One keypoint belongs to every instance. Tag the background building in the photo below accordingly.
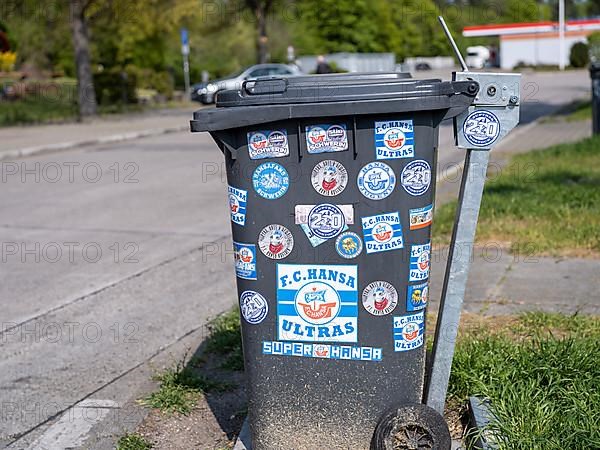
(534, 43)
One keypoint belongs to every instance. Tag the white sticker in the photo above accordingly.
(301, 213)
(379, 298)
(275, 241)
(329, 178)
(268, 144)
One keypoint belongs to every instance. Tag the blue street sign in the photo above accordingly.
(184, 37)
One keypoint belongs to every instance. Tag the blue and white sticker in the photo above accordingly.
(254, 307)
(270, 180)
(317, 303)
(481, 128)
(382, 232)
(348, 245)
(326, 221)
(420, 217)
(268, 144)
(416, 177)
(245, 260)
(376, 180)
(409, 332)
(417, 296)
(420, 256)
(394, 139)
(237, 204)
(323, 351)
(326, 138)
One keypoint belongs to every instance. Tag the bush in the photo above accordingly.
(580, 55)
(115, 86)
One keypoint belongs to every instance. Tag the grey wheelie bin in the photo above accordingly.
(331, 186)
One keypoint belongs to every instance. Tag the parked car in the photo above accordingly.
(206, 92)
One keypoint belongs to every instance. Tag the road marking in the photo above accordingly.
(73, 427)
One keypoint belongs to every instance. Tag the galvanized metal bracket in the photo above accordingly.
(493, 114)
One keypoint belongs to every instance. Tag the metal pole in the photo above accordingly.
(455, 280)
(561, 34)
(459, 56)
(186, 74)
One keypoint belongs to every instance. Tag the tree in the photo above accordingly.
(261, 9)
(86, 94)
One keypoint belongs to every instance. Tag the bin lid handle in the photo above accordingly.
(265, 86)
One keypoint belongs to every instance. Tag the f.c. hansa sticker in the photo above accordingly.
(420, 217)
(408, 332)
(245, 260)
(417, 296)
(420, 256)
(317, 303)
(382, 232)
(268, 144)
(326, 138)
(237, 204)
(394, 139)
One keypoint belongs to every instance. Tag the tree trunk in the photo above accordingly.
(86, 94)
(261, 22)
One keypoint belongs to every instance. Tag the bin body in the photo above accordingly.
(332, 258)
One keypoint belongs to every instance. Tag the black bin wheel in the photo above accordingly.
(411, 427)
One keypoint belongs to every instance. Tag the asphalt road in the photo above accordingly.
(114, 254)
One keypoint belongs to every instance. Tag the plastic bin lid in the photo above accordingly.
(272, 99)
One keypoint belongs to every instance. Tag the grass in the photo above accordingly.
(582, 111)
(181, 385)
(544, 202)
(133, 441)
(226, 340)
(541, 372)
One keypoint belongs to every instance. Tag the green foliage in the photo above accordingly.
(179, 389)
(537, 191)
(115, 86)
(133, 441)
(579, 56)
(541, 374)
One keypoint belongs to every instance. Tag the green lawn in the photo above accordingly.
(541, 372)
(543, 202)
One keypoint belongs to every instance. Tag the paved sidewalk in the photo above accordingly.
(21, 141)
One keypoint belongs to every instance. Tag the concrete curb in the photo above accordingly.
(53, 148)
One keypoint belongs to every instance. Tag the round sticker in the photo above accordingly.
(481, 128)
(329, 178)
(326, 221)
(394, 138)
(317, 303)
(376, 180)
(254, 307)
(270, 180)
(416, 177)
(275, 241)
(380, 298)
(348, 245)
